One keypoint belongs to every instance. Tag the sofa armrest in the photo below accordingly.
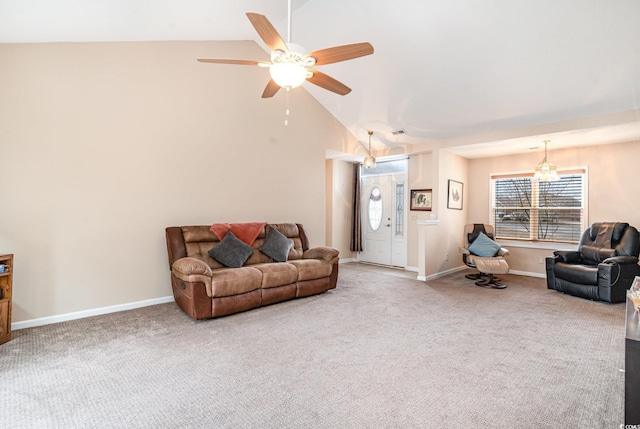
(464, 251)
(621, 260)
(193, 270)
(328, 254)
(190, 266)
(568, 256)
(615, 278)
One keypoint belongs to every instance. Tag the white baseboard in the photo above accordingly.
(527, 273)
(88, 313)
(443, 273)
(436, 275)
(345, 260)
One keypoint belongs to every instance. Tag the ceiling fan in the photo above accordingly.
(290, 66)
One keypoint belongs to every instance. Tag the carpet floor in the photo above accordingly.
(382, 350)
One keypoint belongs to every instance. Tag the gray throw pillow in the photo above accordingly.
(276, 245)
(231, 252)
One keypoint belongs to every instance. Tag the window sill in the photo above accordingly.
(545, 245)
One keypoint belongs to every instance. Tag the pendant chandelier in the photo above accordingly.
(369, 160)
(546, 171)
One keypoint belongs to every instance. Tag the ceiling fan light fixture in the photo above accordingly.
(546, 171)
(290, 65)
(369, 160)
(288, 75)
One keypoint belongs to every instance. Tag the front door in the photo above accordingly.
(376, 207)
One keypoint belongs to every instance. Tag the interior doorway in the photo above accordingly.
(383, 214)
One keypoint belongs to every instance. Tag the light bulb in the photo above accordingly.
(288, 75)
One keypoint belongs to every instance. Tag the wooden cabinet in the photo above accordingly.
(6, 280)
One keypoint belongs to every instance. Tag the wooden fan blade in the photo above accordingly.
(267, 32)
(341, 53)
(271, 89)
(223, 61)
(327, 82)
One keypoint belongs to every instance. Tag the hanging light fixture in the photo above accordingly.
(369, 160)
(546, 171)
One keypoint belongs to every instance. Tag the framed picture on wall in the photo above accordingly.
(454, 196)
(420, 199)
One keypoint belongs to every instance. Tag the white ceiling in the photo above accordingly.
(480, 78)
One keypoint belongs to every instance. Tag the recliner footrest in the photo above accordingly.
(491, 265)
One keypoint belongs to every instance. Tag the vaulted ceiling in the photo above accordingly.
(480, 78)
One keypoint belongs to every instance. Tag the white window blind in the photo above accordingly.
(539, 211)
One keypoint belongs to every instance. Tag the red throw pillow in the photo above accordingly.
(245, 232)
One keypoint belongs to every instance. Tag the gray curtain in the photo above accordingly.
(356, 232)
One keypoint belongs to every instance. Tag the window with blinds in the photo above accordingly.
(539, 211)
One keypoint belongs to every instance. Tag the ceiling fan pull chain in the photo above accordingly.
(286, 107)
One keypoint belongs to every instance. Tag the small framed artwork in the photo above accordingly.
(420, 199)
(454, 199)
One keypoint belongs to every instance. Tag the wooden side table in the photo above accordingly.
(6, 280)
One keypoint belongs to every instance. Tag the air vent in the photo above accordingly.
(398, 132)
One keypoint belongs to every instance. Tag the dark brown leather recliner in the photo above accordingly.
(602, 268)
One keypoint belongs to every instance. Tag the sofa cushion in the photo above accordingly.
(595, 255)
(277, 274)
(276, 245)
(311, 269)
(234, 281)
(484, 246)
(231, 252)
(577, 273)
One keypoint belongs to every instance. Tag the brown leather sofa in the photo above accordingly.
(204, 288)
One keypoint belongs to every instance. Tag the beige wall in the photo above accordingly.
(106, 144)
(614, 193)
(444, 253)
(421, 176)
(433, 171)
